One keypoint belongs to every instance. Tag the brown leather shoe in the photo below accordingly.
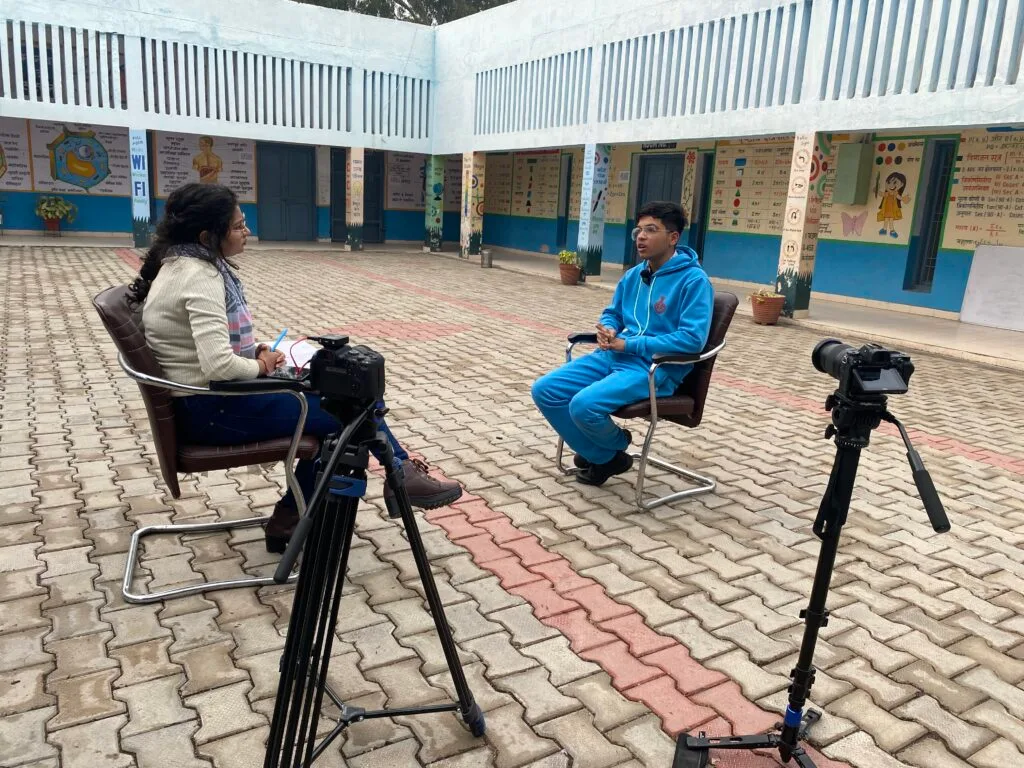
(280, 527)
(424, 491)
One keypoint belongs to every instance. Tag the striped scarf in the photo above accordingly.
(243, 342)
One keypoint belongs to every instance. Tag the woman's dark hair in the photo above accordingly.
(190, 210)
(671, 215)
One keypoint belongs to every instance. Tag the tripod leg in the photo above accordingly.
(828, 525)
(471, 713)
(292, 740)
(345, 519)
(282, 730)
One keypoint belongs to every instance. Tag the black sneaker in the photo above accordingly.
(597, 474)
(582, 463)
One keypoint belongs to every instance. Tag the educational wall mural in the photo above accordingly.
(405, 181)
(70, 158)
(498, 199)
(618, 184)
(182, 158)
(575, 185)
(453, 183)
(986, 198)
(15, 158)
(888, 214)
(535, 184)
(750, 186)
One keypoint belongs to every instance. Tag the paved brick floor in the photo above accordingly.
(590, 632)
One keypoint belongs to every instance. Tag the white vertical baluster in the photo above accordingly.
(56, 42)
(1008, 63)
(984, 69)
(170, 67)
(19, 54)
(926, 67)
(957, 45)
(30, 60)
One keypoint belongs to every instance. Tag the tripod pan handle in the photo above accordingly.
(930, 497)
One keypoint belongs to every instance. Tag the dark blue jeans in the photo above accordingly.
(229, 420)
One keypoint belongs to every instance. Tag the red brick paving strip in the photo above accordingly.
(644, 665)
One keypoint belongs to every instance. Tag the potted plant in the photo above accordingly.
(767, 306)
(569, 267)
(52, 208)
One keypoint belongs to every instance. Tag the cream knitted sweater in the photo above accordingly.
(186, 325)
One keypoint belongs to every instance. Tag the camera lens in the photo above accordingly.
(827, 356)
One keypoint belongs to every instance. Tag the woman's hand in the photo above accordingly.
(270, 361)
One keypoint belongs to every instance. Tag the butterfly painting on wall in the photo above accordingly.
(854, 225)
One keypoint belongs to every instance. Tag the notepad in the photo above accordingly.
(296, 353)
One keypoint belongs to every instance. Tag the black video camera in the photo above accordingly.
(866, 372)
(345, 374)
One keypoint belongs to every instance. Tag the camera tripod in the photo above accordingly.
(853, 419)
(329, 526)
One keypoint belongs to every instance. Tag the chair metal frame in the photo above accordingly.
(702, 483)
(184, 528)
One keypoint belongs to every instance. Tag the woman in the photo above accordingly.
(199, 327)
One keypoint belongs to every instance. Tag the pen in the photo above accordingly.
(279, 340)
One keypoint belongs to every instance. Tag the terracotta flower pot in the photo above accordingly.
(569, 273)
(51, 225)
(767, 309)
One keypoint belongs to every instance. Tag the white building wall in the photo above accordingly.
(259, 69)
(728, 69)
(532, 73)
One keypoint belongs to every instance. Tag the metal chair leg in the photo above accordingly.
(702, 483)
(559, 453)
(192, 589)
(223, 525)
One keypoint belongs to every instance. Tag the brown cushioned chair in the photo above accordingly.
(124, 324)
(685, 406)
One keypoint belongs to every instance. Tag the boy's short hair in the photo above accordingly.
(671, 215)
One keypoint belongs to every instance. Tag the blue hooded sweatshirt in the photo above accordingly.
(672, 315)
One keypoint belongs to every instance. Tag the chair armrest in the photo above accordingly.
(156, 381)
(578, 338)
(691, 357)
(260, 386)
(265, 385)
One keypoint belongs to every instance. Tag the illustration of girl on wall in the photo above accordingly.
(890, 210)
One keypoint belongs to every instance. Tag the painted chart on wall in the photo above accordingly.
(498, 195)
(535, 184)
(750, 186)
(453, 183)
(986, 200)
(575, 182)
(182, 158)
(68, 158)
(15, 168)
(618, 184)
(406, 176)
(889, 212)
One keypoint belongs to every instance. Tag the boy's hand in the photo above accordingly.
(604, 335)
